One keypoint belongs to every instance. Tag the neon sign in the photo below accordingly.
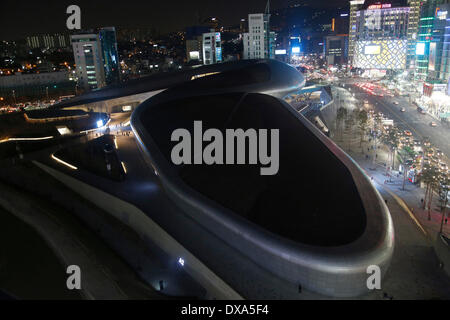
(380, 6)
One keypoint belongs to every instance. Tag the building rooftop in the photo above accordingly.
(313, 198)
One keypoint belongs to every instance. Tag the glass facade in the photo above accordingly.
(432, 48)
(381, 37)
(355, 5)
(413, 27)
(110, 55)
(382, 24)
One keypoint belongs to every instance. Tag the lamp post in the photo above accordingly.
(445, 200)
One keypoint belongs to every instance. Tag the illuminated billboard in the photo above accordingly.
(371, 49)
(420, 48)
(432, 56)
(379, 6)
(381, 54)
(441, 14)
(194, 55)
(280, 51)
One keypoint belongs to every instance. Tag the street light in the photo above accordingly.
(445, 201)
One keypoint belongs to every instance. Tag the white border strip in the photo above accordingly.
(27, 139)
(64, 163)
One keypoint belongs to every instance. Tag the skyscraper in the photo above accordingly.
(431, 38)
(355, 5)
(258, 42)
(413, 27)
(96, 58)
(194, 42)
(212, 49)
(432, 57)
(88, 60)
(380, 40)
(108, 43)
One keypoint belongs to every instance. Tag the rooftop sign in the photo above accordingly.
(380, 6)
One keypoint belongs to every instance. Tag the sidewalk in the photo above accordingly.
(412, 193)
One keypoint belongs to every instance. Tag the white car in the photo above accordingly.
(396, 103)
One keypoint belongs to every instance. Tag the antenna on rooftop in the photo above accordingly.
(268, 7)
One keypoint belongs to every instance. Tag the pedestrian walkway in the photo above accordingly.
(393, 181)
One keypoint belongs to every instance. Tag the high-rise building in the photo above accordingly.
(88, 60)
(441, 74)
(96, 58)
(432, 49)
(355, 6)
(242, 26)
(431, 39)
(413, 28)
(49, 41)
(108, 43)
(211, 23)
(259, 41)
(335, 49)
(380, 38)
(212, 48)
(194, 42)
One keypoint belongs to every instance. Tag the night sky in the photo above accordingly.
(22, 18)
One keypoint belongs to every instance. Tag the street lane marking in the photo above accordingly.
(399, 119)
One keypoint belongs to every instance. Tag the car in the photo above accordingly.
(396, 103)
(402, 110)
(408, 133)
(433, 124)
(421, 110)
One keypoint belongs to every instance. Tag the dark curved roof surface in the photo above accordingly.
(319, 221)
(312, 200)
(244, 73)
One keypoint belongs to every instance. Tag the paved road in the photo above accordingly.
(411, 119)
(414, 272)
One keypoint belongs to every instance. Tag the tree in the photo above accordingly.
(377, 121)
(362, 124)
(405, 157)
(430, 176)
(391, 139)
(350, 122)
(341, 115)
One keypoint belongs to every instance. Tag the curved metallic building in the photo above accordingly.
(270, 76)
(318, 222)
